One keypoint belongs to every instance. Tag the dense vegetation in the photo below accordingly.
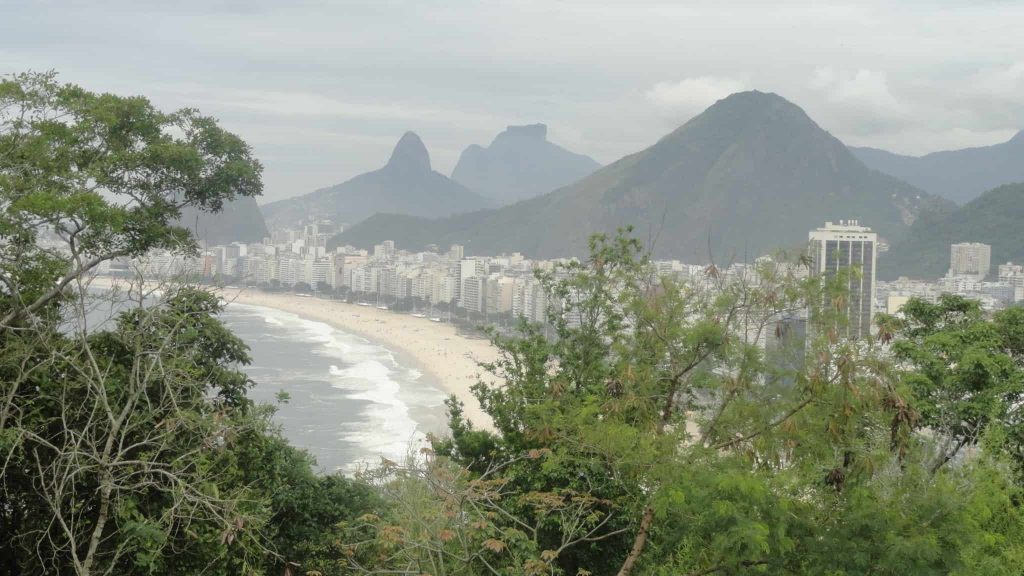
(747, 177)
(994, 218)
(654, 436)
(654, 433)
(130, 447)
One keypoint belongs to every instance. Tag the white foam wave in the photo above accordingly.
(369, 373)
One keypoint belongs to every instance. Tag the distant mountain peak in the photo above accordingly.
(520, 163)
(526, 132)
(1018, 137)
(756, 102)
(410, 154)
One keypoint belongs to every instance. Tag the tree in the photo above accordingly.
(692, 451)
(128, 443)
(966, 371)
(102, 176)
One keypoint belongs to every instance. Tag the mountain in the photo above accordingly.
(751, 174)
(520, 163)
(993, 218)
(959, 175)
(239, 221)
(406, 185)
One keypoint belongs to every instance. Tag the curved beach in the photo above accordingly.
(449, 359)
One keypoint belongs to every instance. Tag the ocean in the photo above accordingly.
(352, 401)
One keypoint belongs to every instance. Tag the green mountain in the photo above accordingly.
(750, 175)
(520, 163)
(406, 185)
(993, 218)
(959, 175)
(239, 221)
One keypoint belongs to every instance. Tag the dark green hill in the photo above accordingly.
(750, 175)
(520, 163)
(959, 175)
(406, 185)
(996, 218)
(239, 221)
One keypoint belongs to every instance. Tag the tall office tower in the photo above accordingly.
(848, 245)
(970, 259)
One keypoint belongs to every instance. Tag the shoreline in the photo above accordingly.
(448, 359)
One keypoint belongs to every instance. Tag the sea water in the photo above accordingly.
(351, 401)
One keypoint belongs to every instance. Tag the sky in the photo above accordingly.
(323, 90)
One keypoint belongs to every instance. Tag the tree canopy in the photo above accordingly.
(130, 446)
(665, 430)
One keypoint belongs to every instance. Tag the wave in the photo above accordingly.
(384, 394)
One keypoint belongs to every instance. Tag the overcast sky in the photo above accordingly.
(323, 90)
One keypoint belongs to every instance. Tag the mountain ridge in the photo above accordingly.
(958, 175)
(405, 184)
(518, 164)
(750, 175)
(240, 220)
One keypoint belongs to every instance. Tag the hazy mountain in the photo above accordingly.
(959, 175)
(239, 221)
(749, 175)
(406, 185)
(993, 218)
(520, 163)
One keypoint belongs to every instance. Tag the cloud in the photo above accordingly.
(1002, 83)
(692, 95)
(991, 97)
(865, 91)
(310, 104)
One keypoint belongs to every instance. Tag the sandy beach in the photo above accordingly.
(449, 359)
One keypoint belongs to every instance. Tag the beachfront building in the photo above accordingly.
(499, 294)
(529, 300)
(474, 293)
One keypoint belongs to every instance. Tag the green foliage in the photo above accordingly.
(689, 450)
(966, 371)
(103, 175)
(131, 447)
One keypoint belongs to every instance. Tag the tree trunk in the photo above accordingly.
(97, 532)
(638, 543)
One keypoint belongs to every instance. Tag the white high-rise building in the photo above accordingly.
(849, 246)
(474, 293)
(385, 250)
(970, 259)
(470, 268)
(456, 252)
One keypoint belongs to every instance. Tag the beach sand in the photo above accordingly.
(449, 359)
